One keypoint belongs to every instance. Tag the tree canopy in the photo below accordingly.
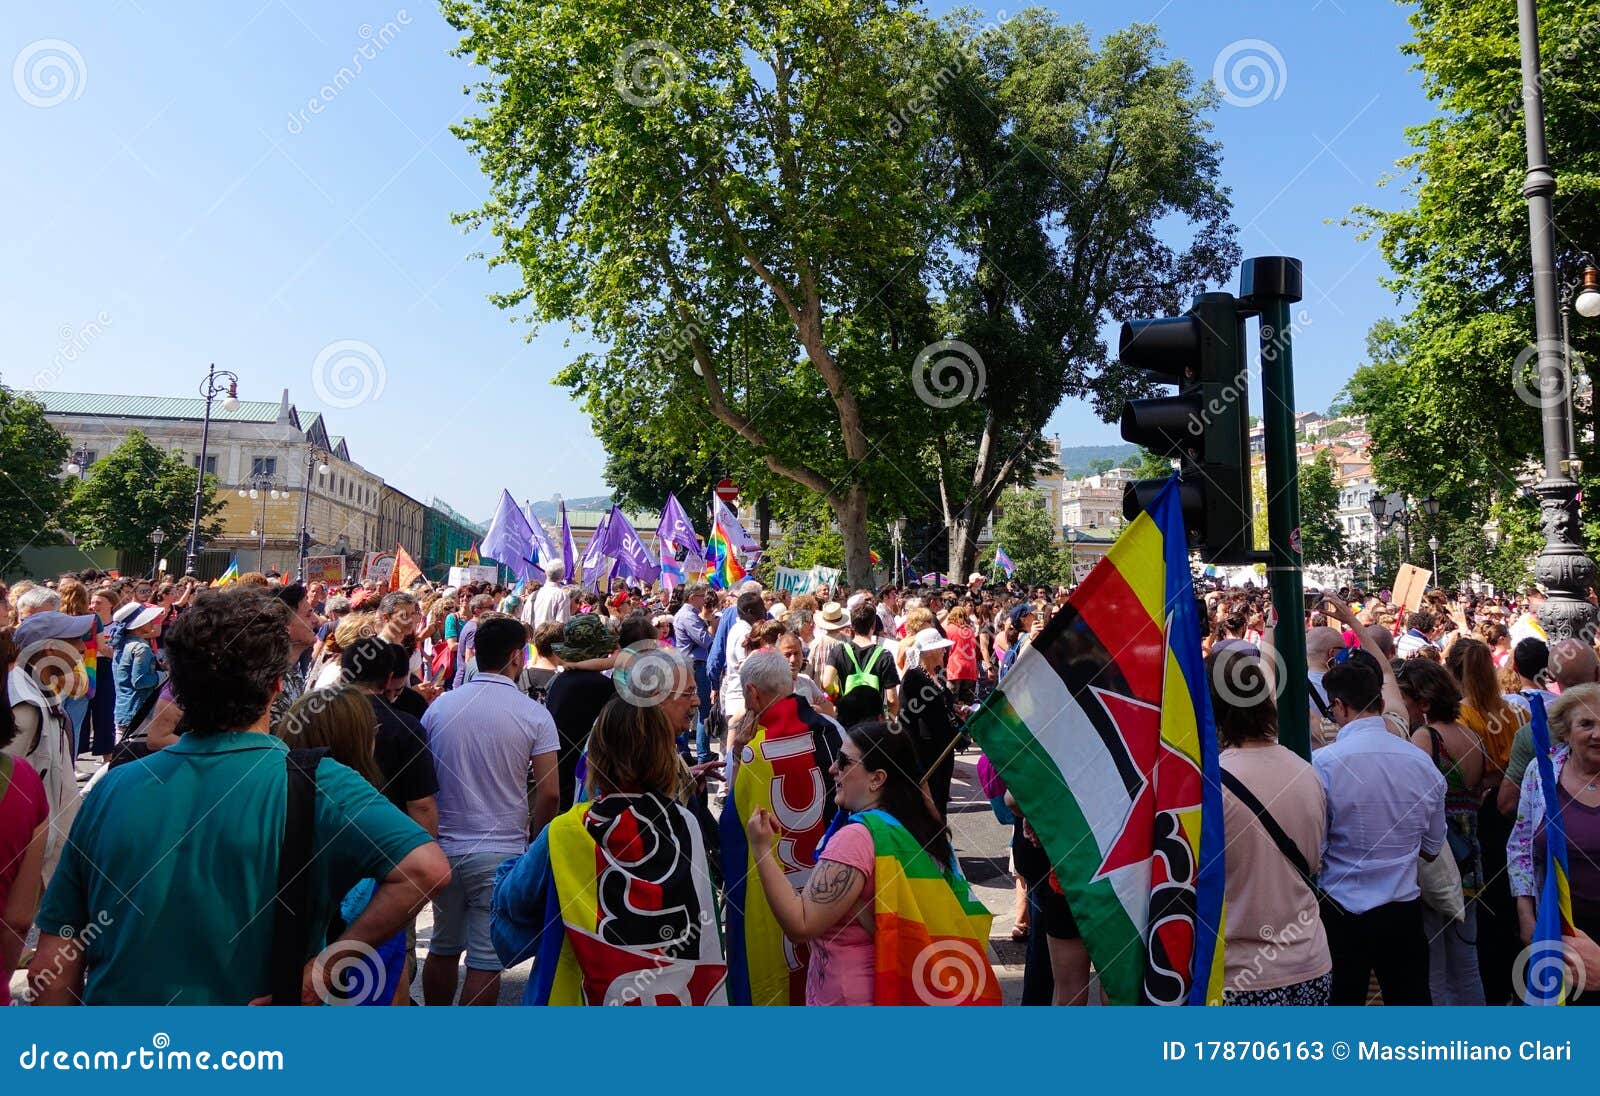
(31, 488)
(1446, 389)
(135, 490)
(837, 249)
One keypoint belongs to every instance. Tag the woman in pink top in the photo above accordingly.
(961, 670)
(1276, 950)
(876, 768)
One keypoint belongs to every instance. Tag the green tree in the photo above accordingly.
(765, 213)
(1321, 538)
(31, 488)
(1027, 533)
(135, 490)
(1082, 185)
(1446, 391)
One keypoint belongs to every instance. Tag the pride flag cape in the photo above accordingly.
(722, 560)
(628, 922)
(930, 935)
(777, 770)
(1102, 730)
(1546, 977)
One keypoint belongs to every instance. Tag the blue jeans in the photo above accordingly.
(702, 735)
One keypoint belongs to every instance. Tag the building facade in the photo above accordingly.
(273, 471)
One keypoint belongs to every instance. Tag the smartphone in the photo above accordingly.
(1312, 601)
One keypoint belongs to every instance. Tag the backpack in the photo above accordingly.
(861, 678)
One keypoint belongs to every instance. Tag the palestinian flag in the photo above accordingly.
(1103, 733)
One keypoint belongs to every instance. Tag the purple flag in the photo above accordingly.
(624, 545)
(678, 538)
(569, 554)
(541, 539)
(510, 540)
(594, 555)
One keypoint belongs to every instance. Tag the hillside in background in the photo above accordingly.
(1075, 459)
(546, 511)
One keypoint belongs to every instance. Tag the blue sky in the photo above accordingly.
(180, 205)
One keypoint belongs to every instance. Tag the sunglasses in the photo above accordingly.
(843, 762)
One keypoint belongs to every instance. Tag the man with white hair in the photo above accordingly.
(553, 602)
(39, 599)
(782, 760)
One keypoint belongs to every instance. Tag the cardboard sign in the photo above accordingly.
(328, 569)
(377, 567)
(482, 572)
(1410, 585)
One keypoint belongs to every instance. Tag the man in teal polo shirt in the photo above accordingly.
(165, 892)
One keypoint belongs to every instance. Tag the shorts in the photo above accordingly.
(461, 912)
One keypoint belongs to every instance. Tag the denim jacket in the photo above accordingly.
(135, 672)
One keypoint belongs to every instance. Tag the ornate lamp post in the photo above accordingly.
(157, 538)
(79, 464)
(210, 389)
(1562, 567)
(315, 458)
(262, 487)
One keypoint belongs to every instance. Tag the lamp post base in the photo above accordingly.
(1562, 567)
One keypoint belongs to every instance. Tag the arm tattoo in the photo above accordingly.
(829, 882)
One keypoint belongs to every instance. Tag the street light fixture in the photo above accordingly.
(1563, 568)
(157, 538)
(79, 464)
(210, 389)
(318, 459)
(263, 488)
(1433, 546)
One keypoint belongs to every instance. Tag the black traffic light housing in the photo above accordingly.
(1206, 425)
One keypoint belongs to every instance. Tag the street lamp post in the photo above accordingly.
(315, 458)
(157, 537)
(1433, 546)
(210, 388)
(264, 488)
(79, 464)
(899, 556)
(1072, 556)
(1563, 568)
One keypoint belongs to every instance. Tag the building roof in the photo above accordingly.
(158, 407)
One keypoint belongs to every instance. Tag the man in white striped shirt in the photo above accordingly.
(1421, 628)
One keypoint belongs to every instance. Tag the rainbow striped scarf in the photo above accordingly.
(931, 936)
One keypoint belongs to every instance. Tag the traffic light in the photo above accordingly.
(1206, 425)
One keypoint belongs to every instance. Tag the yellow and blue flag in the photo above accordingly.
(1547, 981)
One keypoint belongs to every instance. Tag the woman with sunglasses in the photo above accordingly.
(879, 933)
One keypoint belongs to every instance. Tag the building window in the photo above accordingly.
(263, 466)
(211, 463)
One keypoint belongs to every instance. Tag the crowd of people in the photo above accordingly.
(555, 774)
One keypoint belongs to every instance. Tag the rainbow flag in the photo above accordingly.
(650, 934)
(1546, 978)
(873, 556)
(230, 575)
(764, 967)
(724, 569)
(931, 936)
(1103, 732)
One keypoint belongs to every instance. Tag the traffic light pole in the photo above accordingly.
(1269, 286)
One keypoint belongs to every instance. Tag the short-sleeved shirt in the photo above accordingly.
(861, 705)
(23, 809)
(841, 967)
(1521, 754)
(483, 734)
(402, 754)
(172, 864)
(464, 651)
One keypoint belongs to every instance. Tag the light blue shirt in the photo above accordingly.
(482, 736)
(1385, 806)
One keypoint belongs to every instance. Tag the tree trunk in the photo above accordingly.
(963, 537)
(851, 510)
